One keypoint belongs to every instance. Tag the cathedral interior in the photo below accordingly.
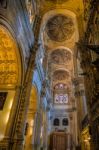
(49, 74)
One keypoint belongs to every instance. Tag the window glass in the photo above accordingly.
(65, 122)
(56, 122)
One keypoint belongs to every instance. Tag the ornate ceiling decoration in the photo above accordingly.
(60, 75)
(60, 56)
(8, 59)
(60, 28)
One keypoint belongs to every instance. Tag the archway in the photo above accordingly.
(30, 121)
(10, 77)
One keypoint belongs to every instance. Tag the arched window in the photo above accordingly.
(60, 93)
(56, 122)
(65, 122)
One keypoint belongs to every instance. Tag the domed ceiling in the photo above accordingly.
(60, 56)
(60, 28)
(59, 33)
(60, 75)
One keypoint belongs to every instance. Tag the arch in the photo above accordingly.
(61, 47)
(11, 71)
(54, 12)
(56, 122)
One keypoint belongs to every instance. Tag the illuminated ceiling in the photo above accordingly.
(60, 29)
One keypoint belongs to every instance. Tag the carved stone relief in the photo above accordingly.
(60, 56)
(60, 75)
(60, 28)
(8, 59)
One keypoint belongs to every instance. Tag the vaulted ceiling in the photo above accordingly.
(61, 27)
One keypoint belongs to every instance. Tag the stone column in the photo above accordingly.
(37, 130)
(20, 117)
(24, 97)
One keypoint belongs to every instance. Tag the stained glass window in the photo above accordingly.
(61, 98)
(60, 93)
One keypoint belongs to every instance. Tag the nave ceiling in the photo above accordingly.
(59, 33)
